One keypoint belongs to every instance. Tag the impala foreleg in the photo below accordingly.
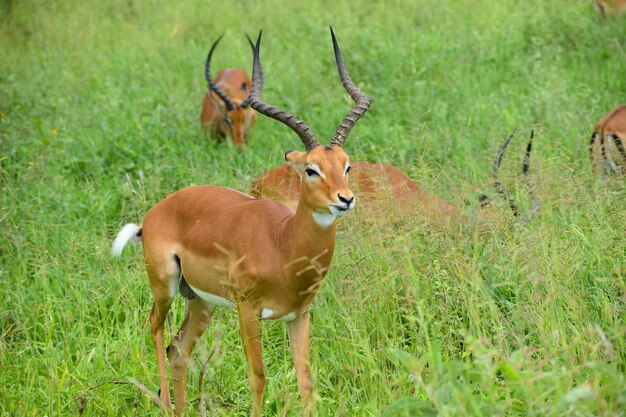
(299, 341)
(197, 318)
(250, 331)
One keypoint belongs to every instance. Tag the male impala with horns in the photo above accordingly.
(226, 108)
(220, 247)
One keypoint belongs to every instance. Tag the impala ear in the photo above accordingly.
(296, 159)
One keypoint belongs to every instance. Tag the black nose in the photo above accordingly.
(345, 200)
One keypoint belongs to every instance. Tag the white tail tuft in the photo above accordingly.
(127, 234)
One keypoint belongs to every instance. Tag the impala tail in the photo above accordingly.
(129, 233)
(532, 190)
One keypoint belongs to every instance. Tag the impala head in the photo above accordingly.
(235, 112)
(235, 124)
(324, 179)
(323, 170)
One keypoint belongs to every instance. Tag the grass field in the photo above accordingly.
(99, 120)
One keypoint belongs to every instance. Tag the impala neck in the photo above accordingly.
(307, 240)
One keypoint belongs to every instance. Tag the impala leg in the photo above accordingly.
(606, 165)
(157, 319)
(592, 153)
(299, 341)
(250, 331)
(197, 318)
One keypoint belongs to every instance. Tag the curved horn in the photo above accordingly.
(246, 102)
(496, 176)
(207, 75)
(282, 116)
(251, 42)
(529, 182)
(362, 101)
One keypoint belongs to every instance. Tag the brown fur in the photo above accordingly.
(258, 254)
(608, 140)
(609, 7)
(379, 187)
(230, 81)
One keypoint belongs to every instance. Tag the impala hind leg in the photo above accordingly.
(157, 319)
(299, 341)
(197, 318)
(250, 331)
(164, 277)
(593, 151)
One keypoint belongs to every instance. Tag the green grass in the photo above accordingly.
(411, 321)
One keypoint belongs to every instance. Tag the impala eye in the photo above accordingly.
(310, 172)
(228, 121)
(348, 169)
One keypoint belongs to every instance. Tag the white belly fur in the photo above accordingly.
(212, 299)
(266, 313)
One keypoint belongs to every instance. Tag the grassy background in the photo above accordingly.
(99, 109)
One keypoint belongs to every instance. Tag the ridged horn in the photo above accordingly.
(207, 74)
(532, 190)
(308, 139)
(535, 202)
(496, 176)
(246, 102)
(362, 101)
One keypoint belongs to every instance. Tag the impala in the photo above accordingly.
(220, 247)
(226, 108)
(609, 7)
(384, 186)
(607, 143)
(379, 186)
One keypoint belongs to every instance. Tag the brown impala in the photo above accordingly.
(607, 142)
(383, 186)
(379, 186)
(220, 247)
(226, 108)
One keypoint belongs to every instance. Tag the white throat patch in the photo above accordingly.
(323, 219)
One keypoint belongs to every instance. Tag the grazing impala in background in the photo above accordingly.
(607, 142)
(220, 247)
(226, 108)
(384, 188)
(609, 7)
